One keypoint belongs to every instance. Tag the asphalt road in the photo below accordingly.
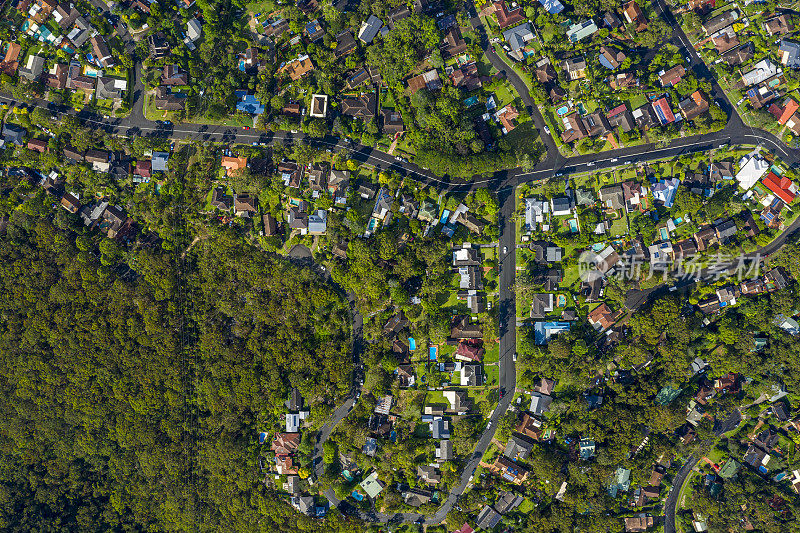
(672, 497)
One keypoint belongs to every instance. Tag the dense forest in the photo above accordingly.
(103, 427)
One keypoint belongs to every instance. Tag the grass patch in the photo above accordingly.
(492, 375)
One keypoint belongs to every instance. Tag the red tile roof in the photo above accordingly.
(782, 187)
(788, 111)
(506, 18)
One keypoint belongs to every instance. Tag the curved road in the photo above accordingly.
(672, 498)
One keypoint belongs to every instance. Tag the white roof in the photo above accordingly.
(752, 167)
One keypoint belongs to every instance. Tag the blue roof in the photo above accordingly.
(542, 331)
(552, 6)
(605, 62)
(249, 104)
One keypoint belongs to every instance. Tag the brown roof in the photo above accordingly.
(10, 63)
(285, 443)
(172, 75)
(602, 315)
(507, 17)
(37, 145)
(270, 225)
(672, 76)
(779, 25)
(244, 203)
(57, 80)
(233, 164)
(363, 107)
(298, 68)
(454, 43)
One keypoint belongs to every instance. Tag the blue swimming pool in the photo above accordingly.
(598, 246)
(573, 225)
(412, 344)
(357, 496)
(563, 110)
(432, 353)
(664, 234)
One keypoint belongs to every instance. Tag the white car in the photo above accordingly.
(489, 425)
(505, 249)
(590, 164)
(614, 160)
(547, 130)
(515, 357)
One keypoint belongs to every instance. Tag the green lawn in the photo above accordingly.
(261, 6)
(492, 375)
(492, 354)
(638, 101)
(619, 227)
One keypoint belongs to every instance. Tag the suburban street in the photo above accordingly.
(674, 493)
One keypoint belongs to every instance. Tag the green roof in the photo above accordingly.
(729, 469)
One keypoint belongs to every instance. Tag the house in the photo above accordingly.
(719, 22)
(740, 55)
(530, 427)
(318, 222)
(783, 187)
(372, 486)
(440, 429)
(297, 219)
(244, 205)
(33, 68)
(362, 107)
(661, 253)
(466, 77)
(159, 47)
(453, 43)
(233, 165)
(510, 471)
(319, 106)
(297, 68)
(194, 30)
(13, 134)
(785, 112)
(561, 206)
(541, 305)
(395, 325)
(472, 376)
(345, 44)
(507, 17)
(313, 30)
(110, 88)
(56, 78)
(789, 53)
(578, 32)
(549, 279)
(143, 170)
(174, 76)
(620, 481)
(76, 80)
(270, 225)
(468, 351)
(507, 501)
(726, 230)
(685, 248)
(369, 29)
(672, 76)
(601, 317)
(575, 67)
(428, 474)
(544, 72)
(638, 523)
(101, 51)
(416, 497)
(285, 443)
(693, 106)
(554, 7)
(488, 518)
(724, 41)
(665, 191)
(397, 14)
(37, 145)
(779, 25)
(248, 60)
(507, 117)
(70, 202)
(663, 111)
(165, 100)
(612, 197)
(427, 80)
(444, 451)
(751, 168)
(461, 328)
(575, 128)
(633, 14)
(518, 36)
(10, 62)
(392, 123)
(761, 71)
(367, 190)
(610, 58)
(275, 28)
(540, 403)
(429, 211)
(405, 376)
(518, 447)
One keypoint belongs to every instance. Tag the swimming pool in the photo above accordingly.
(92, 72)
(562, 300)
(432, 351)
(241, 65)
(664, 234)
(573, 225)
(563, 110)
(357, 496)
(598, 246)
(412, 344)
